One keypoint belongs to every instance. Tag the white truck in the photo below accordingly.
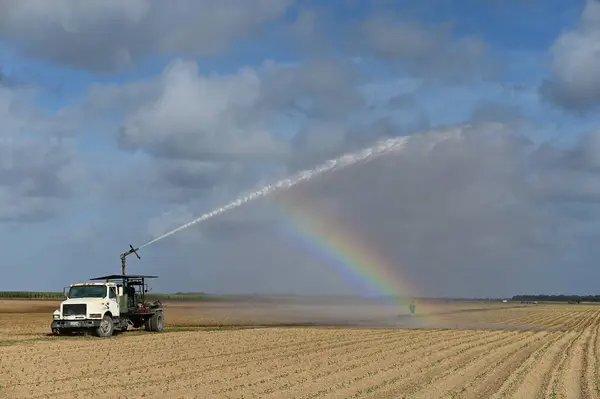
(106, 307)
(109, 306)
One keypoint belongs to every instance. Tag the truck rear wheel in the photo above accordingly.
(160, 322)
(106, 327)
(156, 322)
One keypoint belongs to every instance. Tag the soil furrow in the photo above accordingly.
(314, 374)
(528, 377)
(451, 375)
(572, 383)
(209, 369)
(593, 380)
(529, 351)
(408, 378)
(489, 382)
(370, 371)
(579, 379)
(311, 379)
(139, 367)
(557, 374)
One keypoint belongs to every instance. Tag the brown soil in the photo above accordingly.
(464, 350)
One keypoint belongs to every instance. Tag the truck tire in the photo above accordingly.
(159, 323)
(106, 328)
(156, 322)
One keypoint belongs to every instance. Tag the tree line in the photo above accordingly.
(557, 298)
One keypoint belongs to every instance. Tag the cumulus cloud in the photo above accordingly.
(479, 210)
(575, 80)
(456, 206)
(483, 203)
(203, 134)
(110, 35)
(569, 174)
(38, 167)
(494, 112)
(200, 117)
(185, 114)
(428, 51)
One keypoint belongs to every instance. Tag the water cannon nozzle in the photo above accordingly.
(129, 252)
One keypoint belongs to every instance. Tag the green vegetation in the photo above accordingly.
(30, 295)
(199, 296)
(202, 296)
(178, 296)
(557, 298)
(183, 296)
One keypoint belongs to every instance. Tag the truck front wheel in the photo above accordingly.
(106, 327)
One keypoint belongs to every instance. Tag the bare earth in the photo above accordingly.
(242, 350)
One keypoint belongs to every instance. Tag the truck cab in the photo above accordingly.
(105, 307)
(88, 305)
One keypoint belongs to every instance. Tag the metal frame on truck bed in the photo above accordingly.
(133, 302)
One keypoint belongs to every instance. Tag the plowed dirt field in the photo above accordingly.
(218, 351)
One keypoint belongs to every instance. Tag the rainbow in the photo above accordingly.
(348, 253)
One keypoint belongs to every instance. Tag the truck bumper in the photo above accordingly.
(60, 324)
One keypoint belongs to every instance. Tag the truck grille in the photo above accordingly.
(74, 309)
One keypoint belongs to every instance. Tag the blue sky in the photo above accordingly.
(165, 112)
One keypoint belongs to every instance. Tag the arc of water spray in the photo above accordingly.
(340, 162)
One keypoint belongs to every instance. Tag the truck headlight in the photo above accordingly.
(95, 315)
(56, 316)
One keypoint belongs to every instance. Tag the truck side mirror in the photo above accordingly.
(120, 291)
(66, 292)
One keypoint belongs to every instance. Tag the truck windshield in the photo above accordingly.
(88, 291)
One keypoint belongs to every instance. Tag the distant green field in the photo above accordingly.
(191, 296)
(30, 295)
(169, 297)
(201, 296)
(179, 296)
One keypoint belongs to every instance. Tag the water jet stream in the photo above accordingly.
(338, 163)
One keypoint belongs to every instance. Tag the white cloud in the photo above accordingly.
(38, 168)
(575, 80)
(201, 117)
(207, 132)
(475, 205)
(424, 50)
(105, 35)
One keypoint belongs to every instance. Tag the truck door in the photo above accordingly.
(113, 302)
